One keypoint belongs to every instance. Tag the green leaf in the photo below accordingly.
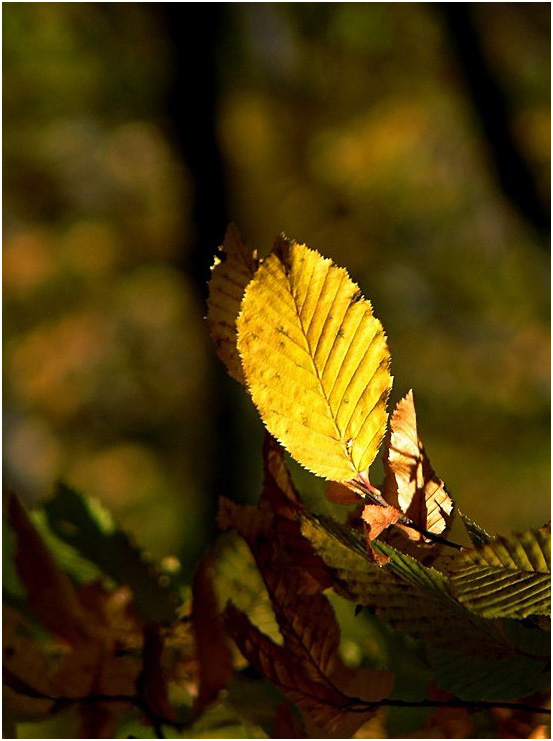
(508, 576)
(409, 597)
(525, 551)
(89, 528)
(473, 678)
(80, 569)
(502, 593)
(527, 637)
(236, 577)
(478, 536)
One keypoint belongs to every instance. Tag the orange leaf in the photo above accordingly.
(312, 691)
(52, 598)
(411, 483)
(286, 724)
(279, 493)
(229, 279)
(379, 518)
(212, 648)
(341, 494)
(259, 526)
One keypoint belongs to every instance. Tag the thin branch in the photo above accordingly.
(359, 706)
(60, 703)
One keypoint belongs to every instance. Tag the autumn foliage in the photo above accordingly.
(371, 623)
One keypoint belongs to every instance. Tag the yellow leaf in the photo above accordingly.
(316, 361)
(229, 278)
(411, 483)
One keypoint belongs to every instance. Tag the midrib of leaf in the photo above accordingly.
(313, 353)
(300, 638)
(309, 351)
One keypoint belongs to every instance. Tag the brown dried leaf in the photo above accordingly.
(279, 493)
(98, 720)
(212, 648)
(338, 493)
(229, 278)
(250, 522)
(26, 668)
(260, 527)
(287, 724)
(411, 483)
(51, 596)
(312, 692)
(379, 518)
(152, 681)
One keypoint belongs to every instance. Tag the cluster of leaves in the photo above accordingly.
(258, 644)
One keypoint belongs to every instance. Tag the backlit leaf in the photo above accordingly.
(378, 518)
(478, 536)
(526, 551)
(316, 361)
(304, 669)
(409, 597)
(508, 576)
(274, 522)
(411, 483)
(318, 698)
(236, 577)
(229, 278)
(497, 592)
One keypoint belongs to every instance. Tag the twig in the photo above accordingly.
(360, 706)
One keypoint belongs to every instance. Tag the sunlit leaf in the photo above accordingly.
(411, 483)
(526, 551)
(236, 577)
(478, 536)
(315, 360)
(409, 597)
(230, 275)
(378, 518)
(496, 592)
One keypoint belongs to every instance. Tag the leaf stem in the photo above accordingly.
(374, 496)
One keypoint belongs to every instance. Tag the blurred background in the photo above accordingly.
(410, 142)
